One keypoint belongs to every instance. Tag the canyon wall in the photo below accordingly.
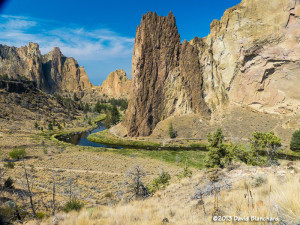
(53, 72)
(251, 58)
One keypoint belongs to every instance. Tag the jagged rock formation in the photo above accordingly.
(164, 74)
(250, 58)
(53, 72)
(116, 85)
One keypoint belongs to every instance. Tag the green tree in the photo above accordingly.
(86, 108)
(98, 107)
(107, 121)
(295, 141)
(215, 139)
(115, 115)
(36, 125)
(75, 98)
(172, 133)
(217, 150)
(50, 126)
(268, 141)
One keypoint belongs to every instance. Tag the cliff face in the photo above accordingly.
(53, 72)
(117, 85)
(251, 57)
(160, 61)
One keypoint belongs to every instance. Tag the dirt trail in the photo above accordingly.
(69, 170)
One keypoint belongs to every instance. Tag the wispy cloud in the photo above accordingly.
(79, 42)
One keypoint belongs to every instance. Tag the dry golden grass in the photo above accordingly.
(277, 195)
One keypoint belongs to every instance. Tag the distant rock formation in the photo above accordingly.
(53, 72)
(116, 85)
(250, 58)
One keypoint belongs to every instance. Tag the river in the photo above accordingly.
(81, 138)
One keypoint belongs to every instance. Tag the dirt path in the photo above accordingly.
(69, 170)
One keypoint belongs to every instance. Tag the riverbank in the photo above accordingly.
(54, 135)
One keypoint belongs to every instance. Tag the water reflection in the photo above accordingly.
(81, 139)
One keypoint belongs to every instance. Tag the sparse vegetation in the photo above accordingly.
(186, 172)
(136, 184)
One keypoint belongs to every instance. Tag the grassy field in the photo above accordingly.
(194, 159)
(105, 137)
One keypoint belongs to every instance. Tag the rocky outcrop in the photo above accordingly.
(52, 72)
(165, 74)
(17, 86)
(251, 58)
(116, 85)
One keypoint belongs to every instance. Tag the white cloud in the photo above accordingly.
(74, 41)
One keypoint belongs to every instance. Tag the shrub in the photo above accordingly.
(74, 204)
(295, 141)
(18, 153)
(9, 165)
(108, 195)
(160, 182)
(258, 181)
(50, 126)
(40, 215)
(172, 133)
(9, 183)
(186, 172)
(36, 125)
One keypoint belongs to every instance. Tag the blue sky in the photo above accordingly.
(99, 34)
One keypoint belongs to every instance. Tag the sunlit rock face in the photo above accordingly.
(53, 72)
(116, 85)
(251, 57)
